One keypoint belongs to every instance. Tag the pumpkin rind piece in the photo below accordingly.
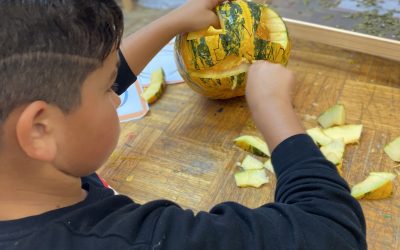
(381, 193)
(253, 145)
(378, 185)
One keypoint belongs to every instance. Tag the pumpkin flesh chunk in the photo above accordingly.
(334, 151)
(318, 136)
(251, 163)
(350, 133)
(156, 87)
(393, 150)
(251, 178)
(333, 116)
(268, 165)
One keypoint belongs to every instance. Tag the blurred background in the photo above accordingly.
(374, 17)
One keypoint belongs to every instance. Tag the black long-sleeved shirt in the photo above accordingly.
(313, 209)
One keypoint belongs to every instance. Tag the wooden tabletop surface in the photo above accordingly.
(183, 151)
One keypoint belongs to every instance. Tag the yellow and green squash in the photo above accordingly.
(214, 62)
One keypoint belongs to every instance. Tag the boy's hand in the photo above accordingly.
(268, 81)
(140, 47)
(199, 14)
(268, 93)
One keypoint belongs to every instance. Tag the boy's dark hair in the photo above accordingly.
(49, 47)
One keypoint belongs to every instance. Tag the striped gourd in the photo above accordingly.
(214, 62)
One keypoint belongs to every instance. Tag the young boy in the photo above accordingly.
(58, 64)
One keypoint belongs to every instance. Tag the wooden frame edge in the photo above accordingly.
(359, 42)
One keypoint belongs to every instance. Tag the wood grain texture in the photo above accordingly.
(183, 151)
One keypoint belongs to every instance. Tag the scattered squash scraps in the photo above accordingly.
(333, 140)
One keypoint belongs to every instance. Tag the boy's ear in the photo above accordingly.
(35, 133)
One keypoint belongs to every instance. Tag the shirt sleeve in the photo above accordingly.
(125, 77)
(313, 209)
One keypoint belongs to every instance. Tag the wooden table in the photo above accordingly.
(183, 151)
